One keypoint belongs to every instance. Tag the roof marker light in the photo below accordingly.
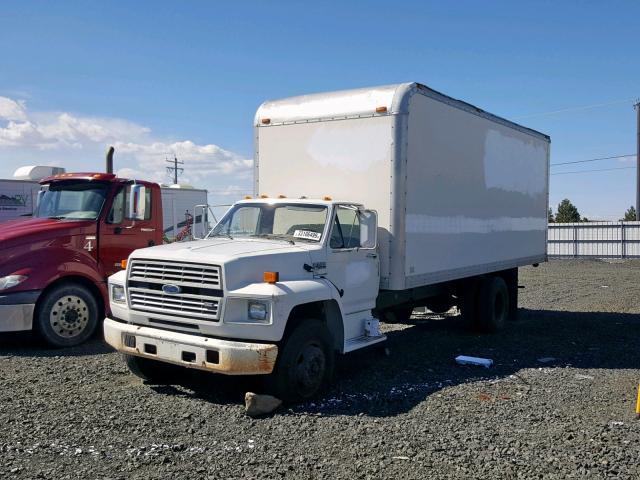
(264, 196)
(282, 196)
(327, 198)
(266, 121)
(381, 109)
(271, 277)
(248, 197)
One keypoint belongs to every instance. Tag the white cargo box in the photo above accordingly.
(458, 191)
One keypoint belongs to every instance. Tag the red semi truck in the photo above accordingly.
(54, 265)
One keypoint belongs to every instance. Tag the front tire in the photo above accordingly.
(305, 365)
(67, 316)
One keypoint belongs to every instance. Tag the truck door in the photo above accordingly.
(121, 233)
(352, 260)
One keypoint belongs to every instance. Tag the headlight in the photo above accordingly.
(117, 294)
(258, 311)
(11, 281)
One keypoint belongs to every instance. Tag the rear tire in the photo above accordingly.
(151, 371)
(493, 304)
(67, 315)
(305, 364)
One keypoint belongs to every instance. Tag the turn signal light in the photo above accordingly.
(271, 277)
(123, 263)
(381, 109)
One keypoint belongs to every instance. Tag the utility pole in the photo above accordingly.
(637, 107)
(175, 169)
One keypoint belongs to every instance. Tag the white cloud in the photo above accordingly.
(78, 143)
(12, 109)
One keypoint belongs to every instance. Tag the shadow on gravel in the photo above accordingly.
(422, 361)
(26, 344)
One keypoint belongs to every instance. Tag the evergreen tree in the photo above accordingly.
(567, 212)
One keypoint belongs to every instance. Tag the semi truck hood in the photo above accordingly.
(23, 231)
(242, 261)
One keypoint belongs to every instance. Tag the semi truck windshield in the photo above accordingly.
(285, 221)
(71, 200)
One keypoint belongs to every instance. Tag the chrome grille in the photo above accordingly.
(201, 285)
(184, 274)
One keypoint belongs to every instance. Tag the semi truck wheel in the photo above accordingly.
(67, 316)
(493, 304)
(305, 365)
(151, 370)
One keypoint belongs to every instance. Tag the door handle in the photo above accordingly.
(144, 229)
(372, 255)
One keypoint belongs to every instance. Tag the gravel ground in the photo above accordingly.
(558, 402)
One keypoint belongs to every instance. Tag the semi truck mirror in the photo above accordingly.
(137, 202)
(368, 229)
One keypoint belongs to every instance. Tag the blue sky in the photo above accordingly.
(159, 76)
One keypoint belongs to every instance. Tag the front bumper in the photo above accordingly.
(16, 310)
(192, 351)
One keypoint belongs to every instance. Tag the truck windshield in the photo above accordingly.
(71, 200)
(291, 222)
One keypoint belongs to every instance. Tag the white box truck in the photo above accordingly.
(367, 203)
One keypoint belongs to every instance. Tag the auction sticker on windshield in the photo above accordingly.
(308, 234)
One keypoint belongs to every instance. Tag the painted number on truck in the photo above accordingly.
(88, 246)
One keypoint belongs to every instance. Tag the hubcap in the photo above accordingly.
(69, 316)
(309, 369)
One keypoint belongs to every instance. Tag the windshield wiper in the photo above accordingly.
(275, 236)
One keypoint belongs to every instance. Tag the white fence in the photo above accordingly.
(594, 239)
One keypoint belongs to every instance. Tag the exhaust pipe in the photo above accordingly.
(110, 160)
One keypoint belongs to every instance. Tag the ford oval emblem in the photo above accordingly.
(171, 289)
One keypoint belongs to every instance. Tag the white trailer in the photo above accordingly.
(17, 198)
(307, 268)
(178, 206)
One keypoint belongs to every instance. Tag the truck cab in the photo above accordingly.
(248, 293)
(54, 265)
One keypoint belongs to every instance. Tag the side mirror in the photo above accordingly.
(368, 229)
(137, 202)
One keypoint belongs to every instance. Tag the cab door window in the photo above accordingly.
(116, 213)
(119, 208)
(345, 232)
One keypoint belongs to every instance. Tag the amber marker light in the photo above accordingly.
(264, 196)
(327, 198)
(123, 263)
(266, 121)
(271, 277)
(381, 109)
(248, 197)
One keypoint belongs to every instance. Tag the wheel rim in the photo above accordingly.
(69, 316)
(309, 369)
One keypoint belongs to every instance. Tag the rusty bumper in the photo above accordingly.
(192, 351)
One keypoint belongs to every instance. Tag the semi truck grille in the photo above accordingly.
(197, 297)
(177, 273)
